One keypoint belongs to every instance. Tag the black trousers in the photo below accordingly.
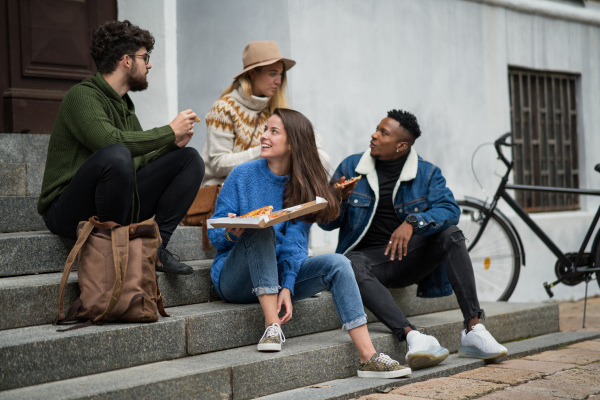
(375, 272)
(105, 186)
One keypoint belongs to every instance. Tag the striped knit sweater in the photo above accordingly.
(233, 136)
(91, 116)
(233, 133)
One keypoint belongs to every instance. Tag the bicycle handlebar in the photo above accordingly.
(501, 141)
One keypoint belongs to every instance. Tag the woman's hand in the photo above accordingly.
(285, 298)
(234, 231)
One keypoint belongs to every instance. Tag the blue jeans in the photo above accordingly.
(250, 270)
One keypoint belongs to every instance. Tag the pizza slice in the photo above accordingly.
(347, 182)
(266, 210)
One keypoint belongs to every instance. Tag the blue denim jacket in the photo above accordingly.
(421, 190)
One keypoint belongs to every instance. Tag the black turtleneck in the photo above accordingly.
(385, 220)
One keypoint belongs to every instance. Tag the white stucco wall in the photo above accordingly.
(445, 60)
(158, 105)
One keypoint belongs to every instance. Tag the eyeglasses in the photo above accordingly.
(146, 57)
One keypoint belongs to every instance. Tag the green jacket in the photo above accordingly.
(91, 116)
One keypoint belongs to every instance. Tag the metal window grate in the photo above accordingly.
(543, 109)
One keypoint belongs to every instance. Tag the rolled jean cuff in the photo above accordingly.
(355, 323)
(479, 314)
(259, 291)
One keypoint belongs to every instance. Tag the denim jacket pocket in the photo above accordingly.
(414, 207)
(358, 207)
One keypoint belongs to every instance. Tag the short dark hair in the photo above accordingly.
(112, 40)
(406, 120)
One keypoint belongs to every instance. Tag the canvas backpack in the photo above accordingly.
(116, 273)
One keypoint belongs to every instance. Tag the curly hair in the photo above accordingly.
(112, 40)
(406, 120)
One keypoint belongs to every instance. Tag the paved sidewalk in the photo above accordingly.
(572, 372)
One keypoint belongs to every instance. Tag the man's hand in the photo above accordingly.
(345, 189)
(399, 241)
(183, 125)
(285, 299)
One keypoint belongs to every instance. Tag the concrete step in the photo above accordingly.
(37, 252)
(19, 214)
(32, 299)
(353, 387)
(37, 355)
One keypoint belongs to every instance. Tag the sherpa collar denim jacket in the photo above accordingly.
(421, 190)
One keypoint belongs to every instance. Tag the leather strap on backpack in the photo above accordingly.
(120, 247)
(83, 235)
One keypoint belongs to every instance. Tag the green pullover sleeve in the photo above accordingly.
(97, 121)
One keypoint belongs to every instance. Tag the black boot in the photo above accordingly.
(169, 263)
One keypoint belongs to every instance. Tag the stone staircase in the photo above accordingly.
(207, 348)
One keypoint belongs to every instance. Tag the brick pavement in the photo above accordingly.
(572, 372)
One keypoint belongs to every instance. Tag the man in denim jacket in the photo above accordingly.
(398, 228)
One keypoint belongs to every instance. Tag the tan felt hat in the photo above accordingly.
(257, 54)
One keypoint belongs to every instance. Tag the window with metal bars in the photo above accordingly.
(543, 108)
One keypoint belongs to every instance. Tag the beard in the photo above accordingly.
(136, 82)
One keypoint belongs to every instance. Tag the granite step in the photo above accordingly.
(32, 299)
(353, 387)
(39, 355)
(19, 214)
(37, 252)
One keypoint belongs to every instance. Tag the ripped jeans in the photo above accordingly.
(250, 270)
(375, 272)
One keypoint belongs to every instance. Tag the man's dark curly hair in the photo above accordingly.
(407, 120)
(112, 40)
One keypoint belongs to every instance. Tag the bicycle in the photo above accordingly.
(496, 248)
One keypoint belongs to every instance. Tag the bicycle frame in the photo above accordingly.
(502, 193)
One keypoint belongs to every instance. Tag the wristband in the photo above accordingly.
(227, 237)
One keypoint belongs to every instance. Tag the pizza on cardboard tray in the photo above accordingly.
(266, 210)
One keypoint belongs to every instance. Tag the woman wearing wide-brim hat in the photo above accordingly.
(237, 119)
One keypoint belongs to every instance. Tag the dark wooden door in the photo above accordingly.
(44, 50)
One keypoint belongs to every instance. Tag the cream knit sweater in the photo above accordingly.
(234, 126)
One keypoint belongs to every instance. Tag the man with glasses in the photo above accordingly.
(398, 228)
(102, 163)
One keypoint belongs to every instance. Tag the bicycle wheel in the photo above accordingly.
(495, 256)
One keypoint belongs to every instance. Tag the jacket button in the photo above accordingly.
(132, 230)
(355, 201)
(399, 210)
(416, 209)
(421, 223)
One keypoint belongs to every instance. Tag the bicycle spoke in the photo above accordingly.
(493, 255)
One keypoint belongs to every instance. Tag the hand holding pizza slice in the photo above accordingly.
(346, 186)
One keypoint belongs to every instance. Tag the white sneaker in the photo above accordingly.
(272, 339)
(479, 343)
(424, 350)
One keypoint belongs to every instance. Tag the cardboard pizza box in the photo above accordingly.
(263, 221)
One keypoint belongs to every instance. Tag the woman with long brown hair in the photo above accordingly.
(236, 120)
(271, 266)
